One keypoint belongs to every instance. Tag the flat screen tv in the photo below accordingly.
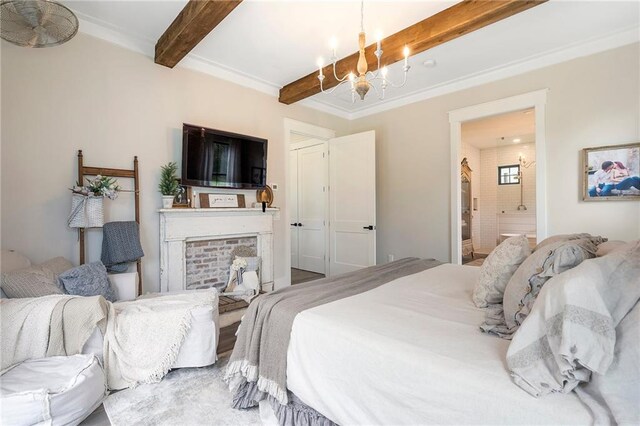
(221, 159)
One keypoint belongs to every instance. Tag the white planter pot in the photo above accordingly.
(167, 201)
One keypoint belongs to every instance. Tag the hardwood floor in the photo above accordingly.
(299, 276)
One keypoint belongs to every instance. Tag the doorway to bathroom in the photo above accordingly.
(498, 182)
(498, 174)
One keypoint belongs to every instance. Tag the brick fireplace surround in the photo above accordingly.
(207, 261)
(195, 245)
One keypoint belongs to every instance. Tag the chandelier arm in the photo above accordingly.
(333, 89)
(335, 75)
(394, 85)
(378, 95)
(374, 74)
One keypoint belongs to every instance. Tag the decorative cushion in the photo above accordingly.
(253, 263)
(613, 246)
(57, 265)
(12, 260)
(29, 282)
(60, 390)
(571, 332)
(613, 397)
(596, 239)
(498, 268)
(525, 284)
(88, 280)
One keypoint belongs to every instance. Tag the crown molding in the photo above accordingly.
(325, 107)
(534, 62)
(215, 69)
(116, 35)
(111, 33)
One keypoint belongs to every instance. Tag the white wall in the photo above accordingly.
(113, 104)
(592, 101)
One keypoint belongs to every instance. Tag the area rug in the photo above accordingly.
(186, 396)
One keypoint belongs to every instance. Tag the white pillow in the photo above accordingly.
(498, 268)
(12, 260)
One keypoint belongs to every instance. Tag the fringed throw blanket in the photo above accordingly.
(258, 363)
(144, 336)
(48, 326)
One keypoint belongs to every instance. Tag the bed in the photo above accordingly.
(401, 343)
(411, 352)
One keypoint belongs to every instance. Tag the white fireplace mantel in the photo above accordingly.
(177, 226)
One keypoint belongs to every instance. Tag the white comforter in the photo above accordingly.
(411, 352)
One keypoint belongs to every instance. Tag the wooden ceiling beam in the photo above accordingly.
(456, 21)
(193, 23)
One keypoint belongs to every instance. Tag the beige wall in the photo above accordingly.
(114, 104)
(592, 101)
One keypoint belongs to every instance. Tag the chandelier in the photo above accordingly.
(365, 79)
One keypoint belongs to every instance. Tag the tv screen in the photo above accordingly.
(221, 159)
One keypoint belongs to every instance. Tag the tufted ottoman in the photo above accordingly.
(61, 390)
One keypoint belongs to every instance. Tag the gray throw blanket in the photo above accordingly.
(120, 245)
(258, 364)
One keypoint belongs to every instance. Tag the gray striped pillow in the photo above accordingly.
(29, 282)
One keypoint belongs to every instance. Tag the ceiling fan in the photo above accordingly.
(36, 23)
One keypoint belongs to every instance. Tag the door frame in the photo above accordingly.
(537, 100)
(296, 146)
(312, 131)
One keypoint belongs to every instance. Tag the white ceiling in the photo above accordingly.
(267, 44)
(516, 127)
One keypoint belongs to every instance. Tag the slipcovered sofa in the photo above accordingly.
(66, 389)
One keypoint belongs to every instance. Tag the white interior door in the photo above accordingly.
(312, 181)
(352, 192)
(293, 206)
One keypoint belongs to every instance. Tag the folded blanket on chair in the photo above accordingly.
(144, 336)
(258, 364)
(48, 326)
(120, 245)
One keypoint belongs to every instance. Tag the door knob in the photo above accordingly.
(294, 224)
(299, 224)
(370, 227)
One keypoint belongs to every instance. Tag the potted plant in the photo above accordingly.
(169, 185)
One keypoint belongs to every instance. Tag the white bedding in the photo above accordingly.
(411, 352)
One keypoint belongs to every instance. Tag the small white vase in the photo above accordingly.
(167, 201)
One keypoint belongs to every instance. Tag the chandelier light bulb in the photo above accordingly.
(352, 76)
(378, 36)
(320, 63)
(384, 71)
(405, 51)
(333, 44)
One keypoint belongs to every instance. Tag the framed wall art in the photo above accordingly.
(611, 173)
